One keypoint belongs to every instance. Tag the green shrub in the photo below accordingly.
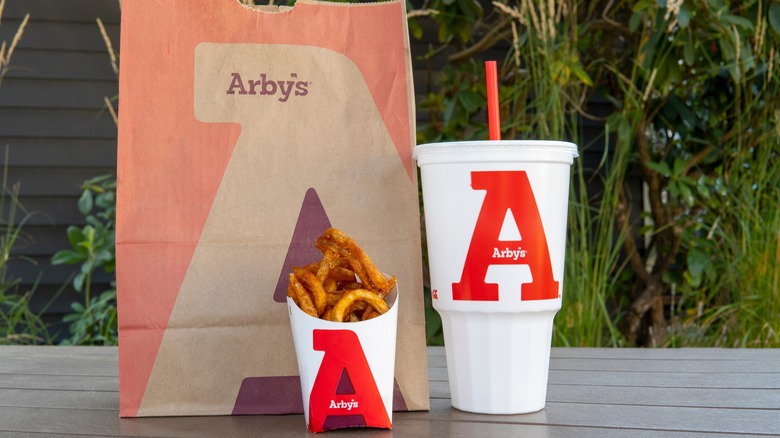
(93, 321)
(19, 324)
(694, 89)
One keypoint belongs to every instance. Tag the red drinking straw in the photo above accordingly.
(494, 122)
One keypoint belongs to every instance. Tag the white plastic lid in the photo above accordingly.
(494, 151)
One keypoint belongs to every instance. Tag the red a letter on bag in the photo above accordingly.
(343, 354)
(506, 190)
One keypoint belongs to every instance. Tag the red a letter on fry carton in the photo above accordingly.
(344, 354)
(506, 190)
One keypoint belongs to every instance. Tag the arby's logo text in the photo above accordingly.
(506, 190)
(264, 86)
(344, 358)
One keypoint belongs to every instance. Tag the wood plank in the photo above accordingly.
(59, 383)
(668, 366)
(663, 418)
(737, 397)
(479, 429)
(436, 361)
(60, 399)
(437, 375)
(51, 355)
(435, 351)
(62, 362)
(672, 354)
(59, 421)
(488, 428)
(666, 380)
(106, 423)
(89, 407)
(701, 360)
(653, 354)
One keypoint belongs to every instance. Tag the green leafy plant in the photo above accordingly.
(19, 324)
(731, 288)
(594, 266)
(93, 321)
(696, 92)
(694, 89)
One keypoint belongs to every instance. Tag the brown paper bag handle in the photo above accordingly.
(275, 9)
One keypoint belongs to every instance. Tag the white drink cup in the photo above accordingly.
(495, 215)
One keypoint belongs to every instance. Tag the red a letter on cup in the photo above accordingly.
(343, 353)
(506, 190)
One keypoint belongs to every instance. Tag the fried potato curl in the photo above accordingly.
(345, 286)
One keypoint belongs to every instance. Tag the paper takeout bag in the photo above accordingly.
(243, 135)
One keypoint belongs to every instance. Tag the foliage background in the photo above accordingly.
(692, 131)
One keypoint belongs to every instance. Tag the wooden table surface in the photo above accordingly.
(72, 391)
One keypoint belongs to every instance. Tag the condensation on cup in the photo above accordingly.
(495, 216)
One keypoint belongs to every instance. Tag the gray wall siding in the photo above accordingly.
(56, 130)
